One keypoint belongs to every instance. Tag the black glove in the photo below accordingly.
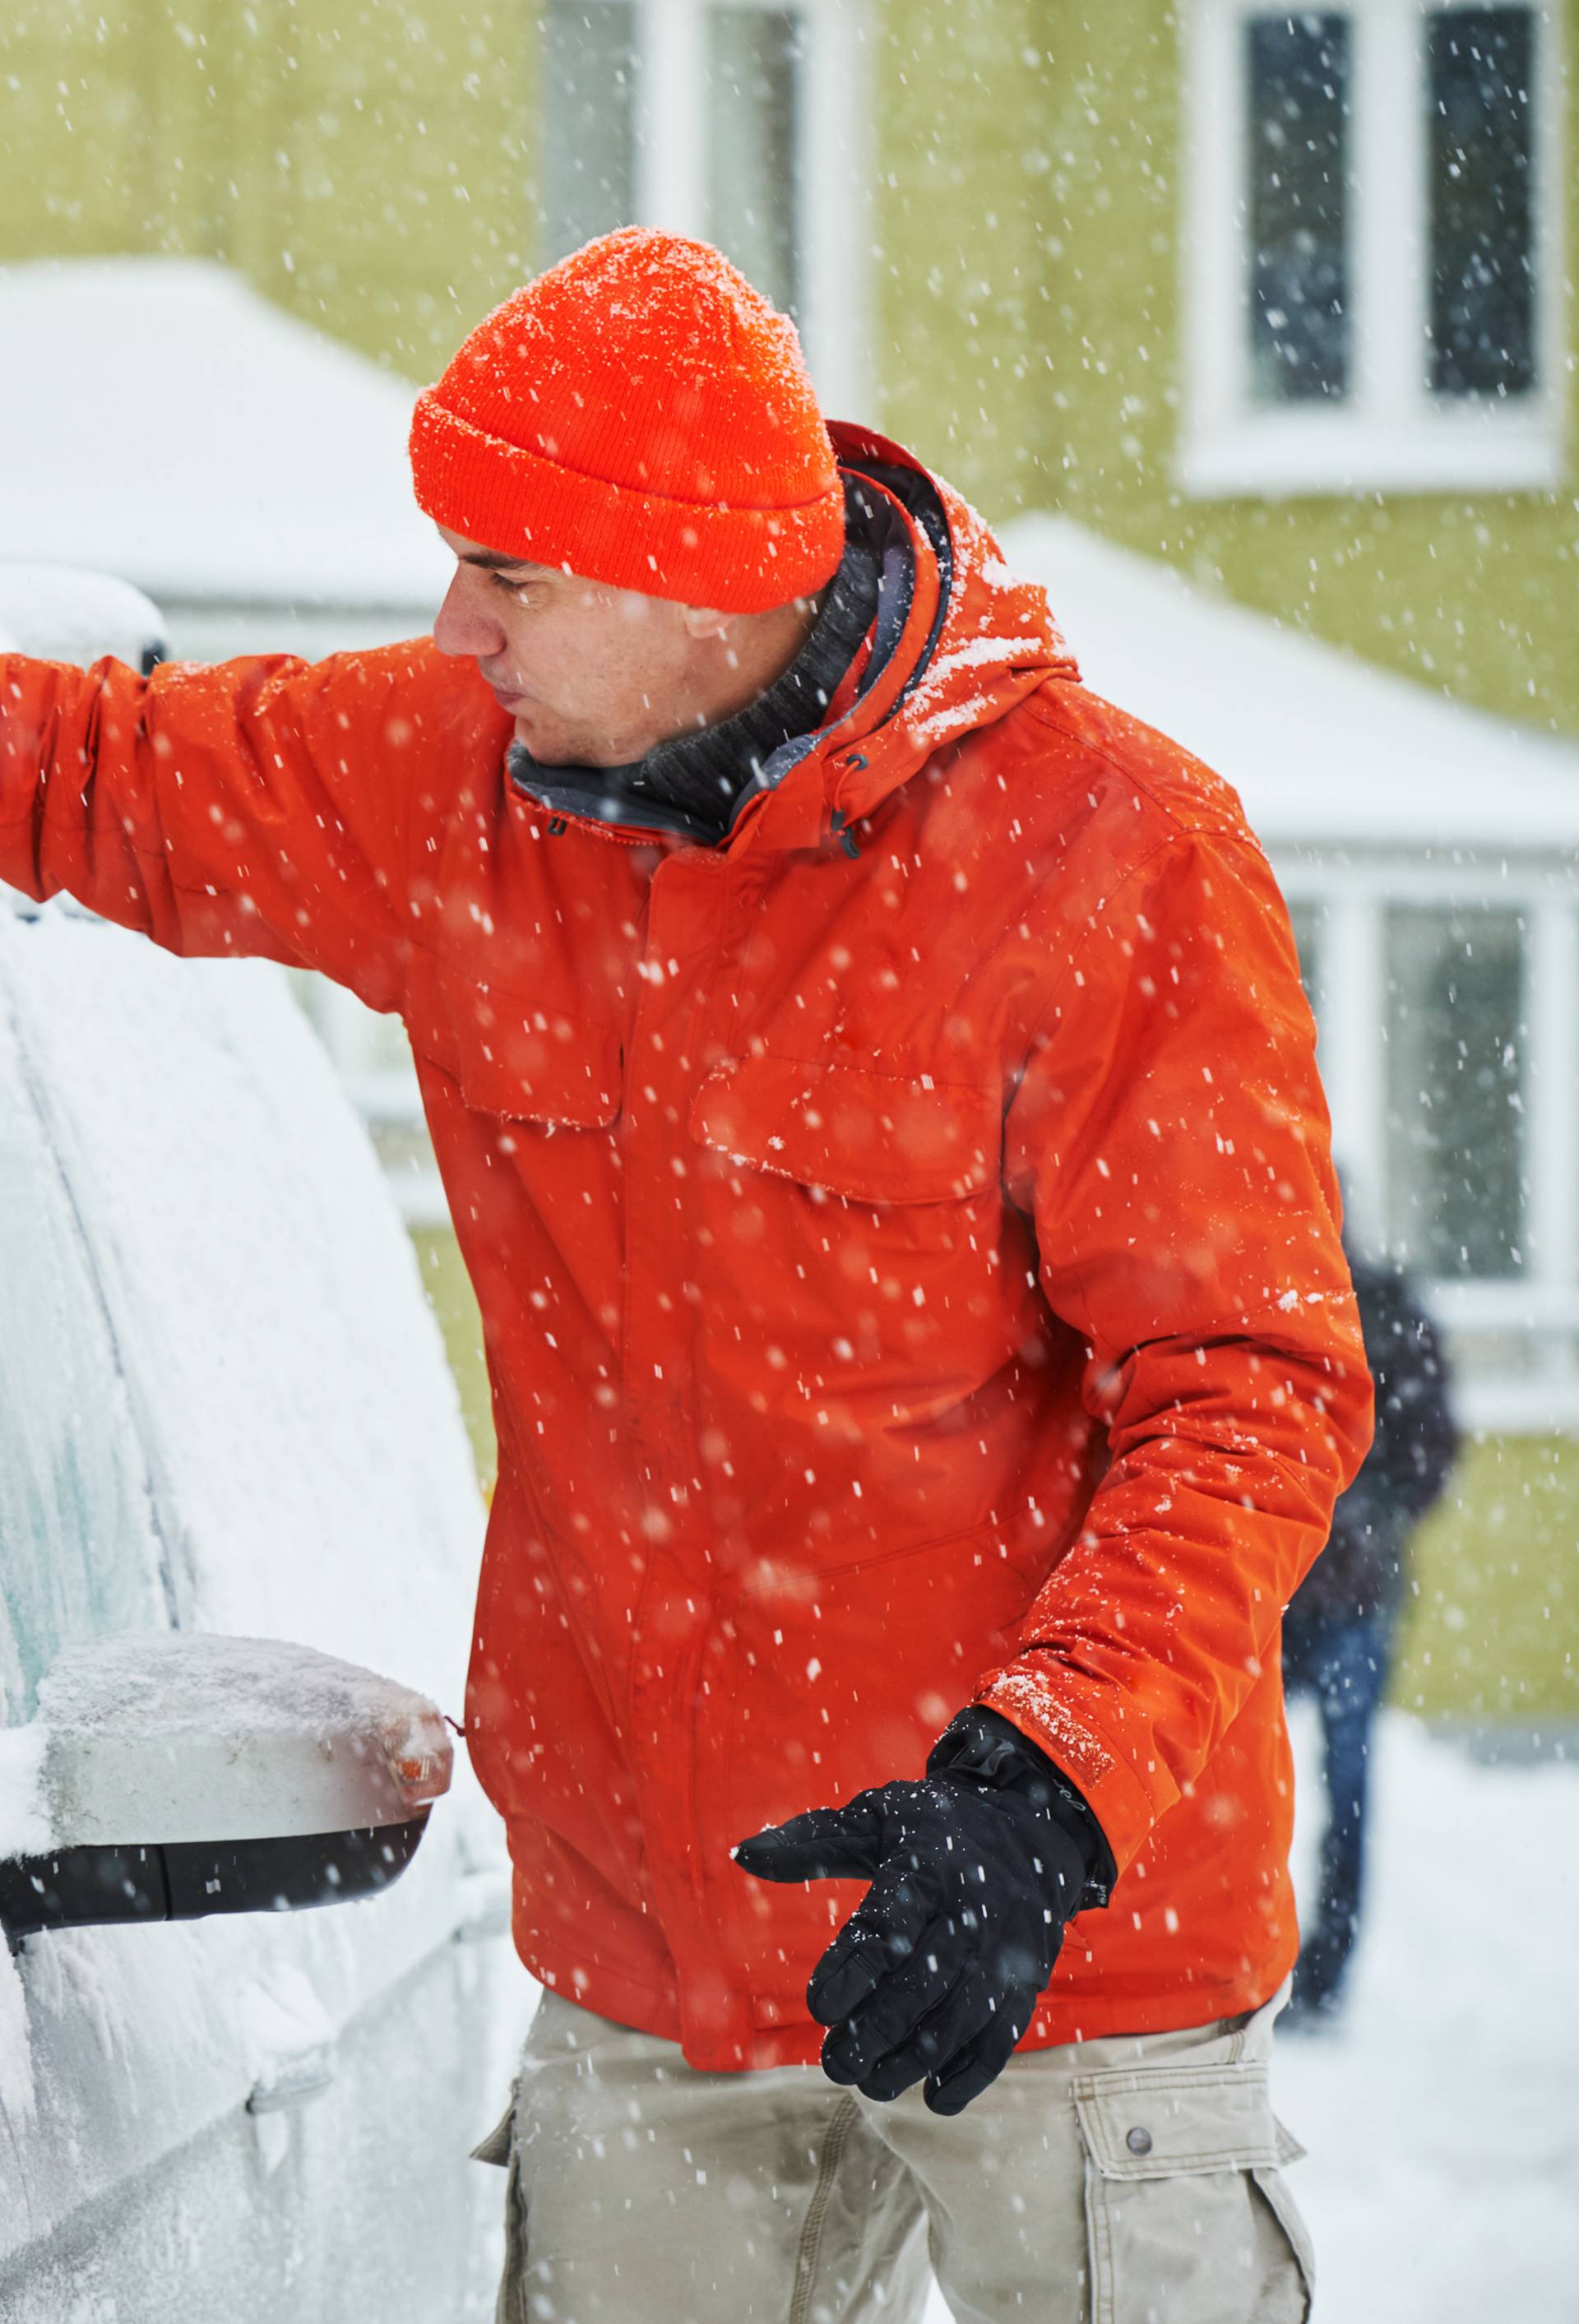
(974, 1874)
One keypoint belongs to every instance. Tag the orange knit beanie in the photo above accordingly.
(642, 416)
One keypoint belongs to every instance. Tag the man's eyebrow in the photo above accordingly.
(497, 562)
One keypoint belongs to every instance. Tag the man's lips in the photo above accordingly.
(502, 694)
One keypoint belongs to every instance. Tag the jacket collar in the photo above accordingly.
(692, 783)
(958, 642)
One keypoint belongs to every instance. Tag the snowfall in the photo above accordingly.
(1442, 2178)
(1441, 2115)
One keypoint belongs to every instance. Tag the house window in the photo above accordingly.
(738, 121)
(1304, 919)
(590, 145)
(754, 108)
(1456, 1161)
(1297, 247)
(1371, 271)
(1482, 153)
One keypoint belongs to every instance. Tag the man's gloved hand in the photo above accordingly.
(974, 1874)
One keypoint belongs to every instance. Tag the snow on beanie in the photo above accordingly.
(642, 416)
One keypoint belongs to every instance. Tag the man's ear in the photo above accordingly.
(705, 621)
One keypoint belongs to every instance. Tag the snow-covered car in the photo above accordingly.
(225, 1417)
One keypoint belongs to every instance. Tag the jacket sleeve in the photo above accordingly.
(1169, 1139)
(259, 805)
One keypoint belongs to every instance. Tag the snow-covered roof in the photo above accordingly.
(161, 422)
(1325, 750)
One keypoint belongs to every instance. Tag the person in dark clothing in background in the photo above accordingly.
(1338, 1632)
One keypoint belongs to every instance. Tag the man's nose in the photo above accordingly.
(464, 626)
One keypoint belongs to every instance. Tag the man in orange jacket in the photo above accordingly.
(879, 1112)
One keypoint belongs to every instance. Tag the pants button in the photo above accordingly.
(1138, 2141)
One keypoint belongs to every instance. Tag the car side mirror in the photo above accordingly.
(168, 1777)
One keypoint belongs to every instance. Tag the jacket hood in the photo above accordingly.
(958, 642)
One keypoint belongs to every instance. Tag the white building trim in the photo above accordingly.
(1534, 1384)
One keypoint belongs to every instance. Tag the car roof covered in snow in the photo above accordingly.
(163, 421)
(1327, 751)
(63, 614)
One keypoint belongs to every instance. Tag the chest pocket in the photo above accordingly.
(849, 1270)
(522, 1060)
(852, 1130)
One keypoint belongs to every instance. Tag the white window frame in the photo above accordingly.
(1539, 1309)
(1389, 433)
(833, 168)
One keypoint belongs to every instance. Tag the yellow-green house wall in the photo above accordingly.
(370, 167)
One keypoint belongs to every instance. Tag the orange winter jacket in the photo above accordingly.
(906, 1241)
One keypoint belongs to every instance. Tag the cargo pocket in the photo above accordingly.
(1187, 2215)
(499, 2147)
(496, 2147)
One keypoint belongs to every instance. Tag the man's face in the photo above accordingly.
(593, 676)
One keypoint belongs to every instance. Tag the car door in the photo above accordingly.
(244, 1423)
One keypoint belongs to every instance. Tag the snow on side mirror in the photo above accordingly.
(166, 1778)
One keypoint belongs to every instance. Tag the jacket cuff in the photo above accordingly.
(1083, 1749)
(982, 1746)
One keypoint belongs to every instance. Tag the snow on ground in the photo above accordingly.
(1442, 2116)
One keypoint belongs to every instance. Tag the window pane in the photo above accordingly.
(1306, 920)
(78, 1554)
(753, 113)
(1454, 1115)
(1482, 256)
(1297, 80)
(589, 121)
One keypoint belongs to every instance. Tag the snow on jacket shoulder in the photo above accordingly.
(906, 1241)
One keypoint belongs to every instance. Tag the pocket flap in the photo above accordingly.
(1153, 2124)
(859, 1132)
(496, 2147)
(530, 1063)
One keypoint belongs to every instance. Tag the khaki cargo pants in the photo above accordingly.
(1131, 2181)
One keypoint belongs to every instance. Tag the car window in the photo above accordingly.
(79, 1554)
(306, 1474)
